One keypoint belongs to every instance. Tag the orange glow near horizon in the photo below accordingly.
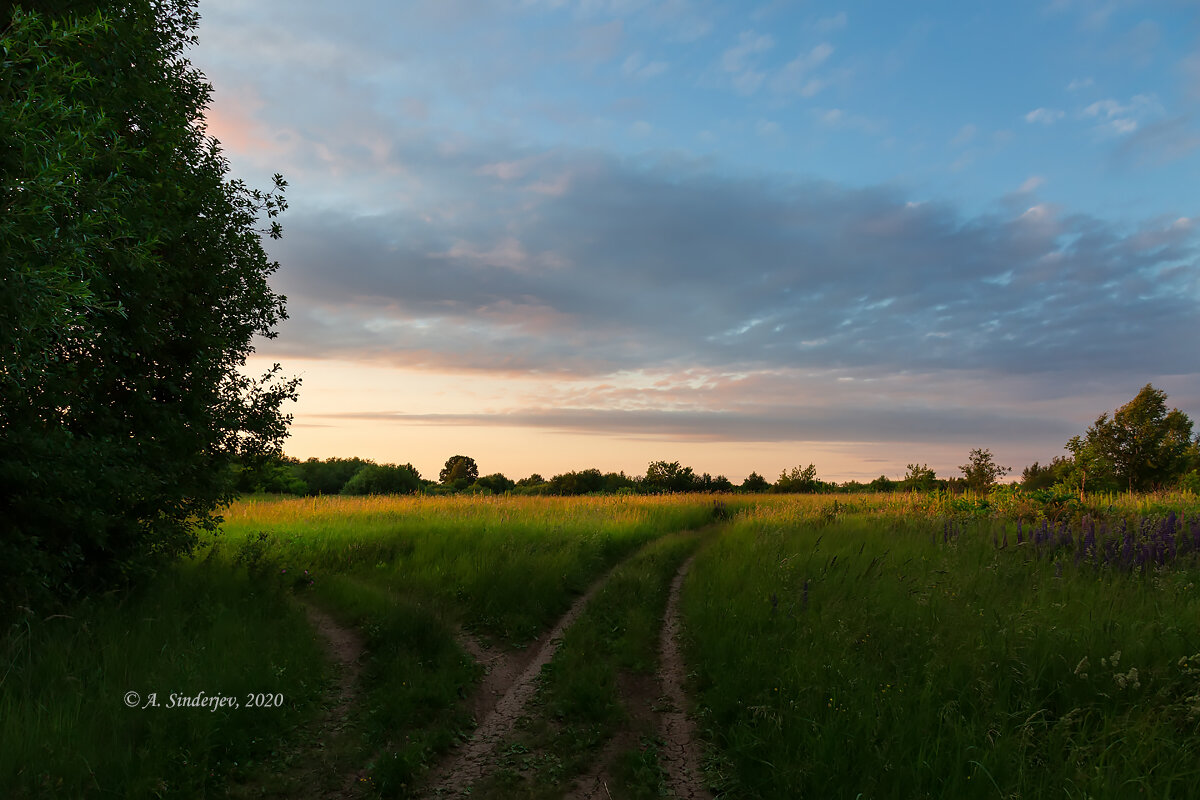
(334, 391)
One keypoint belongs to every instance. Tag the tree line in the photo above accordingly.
(1141, 447)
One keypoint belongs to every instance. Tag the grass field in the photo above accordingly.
(879, 655)
(840, 646)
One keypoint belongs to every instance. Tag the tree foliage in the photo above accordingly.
(798, 480)
(134, 280)
(1037, 476)
(669, 476)
(754, 483)
(981, 470)
(919, 478)
(459, 469)
(384, 479)
(1143, 444)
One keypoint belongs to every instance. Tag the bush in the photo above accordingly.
(384, 479)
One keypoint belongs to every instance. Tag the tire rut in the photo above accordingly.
(680, 751)
(345, 648)
(660, 707)
(472, 762)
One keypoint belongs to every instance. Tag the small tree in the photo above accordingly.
(754, 483)
(1036, 476)
(882, 484)
(459, 468)
(919, 478)
(981, 471)
(799, 479)
(669, 476)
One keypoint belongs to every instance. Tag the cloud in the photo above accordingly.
(648, 266)
(796, 76)
(831, 23)
(1079, 83)
(1121, 118)
(876, 423)
(1189, 70)
(737, 61)
(1031, 184)
(766, 128)
(838, 118)
(1160, 143)
(635, 67)
(965, 134)
(599, 43)
(1046, 116)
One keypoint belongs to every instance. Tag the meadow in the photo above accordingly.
(899, 645)
(873, 654)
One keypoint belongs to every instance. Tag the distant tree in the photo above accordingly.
(384, 479)
(882, 484)
(533, 480)
(669, 476)
(1036, 476)
(495, 483)
(1145, 445)
(708, 483)
(754, 483)
(919, 478)
(329, 476)
(798, 480)
(458, 469)
(618, 481)
(587, 481)
(981, 470)
(269, 474)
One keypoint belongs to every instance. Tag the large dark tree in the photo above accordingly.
(134, 279)
(1145, 445)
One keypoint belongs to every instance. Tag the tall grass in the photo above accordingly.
(404, 571)
(407, 570)
(65, 727)
(876, 655)
(507, 566)
(580, 704)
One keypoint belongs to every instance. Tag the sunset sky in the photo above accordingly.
(561, 234)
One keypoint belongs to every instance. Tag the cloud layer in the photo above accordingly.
(584, 264)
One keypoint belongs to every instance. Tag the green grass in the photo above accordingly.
(579, 705)
(909, 667)
(66, 731)
(506, 567)
(860, 655)
(405, 571)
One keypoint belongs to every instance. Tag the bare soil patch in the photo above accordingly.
(315, 768)
(509, 685)
(679, 754)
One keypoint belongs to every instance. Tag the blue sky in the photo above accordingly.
(744, 235)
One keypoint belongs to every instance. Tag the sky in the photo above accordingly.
(747, 236)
